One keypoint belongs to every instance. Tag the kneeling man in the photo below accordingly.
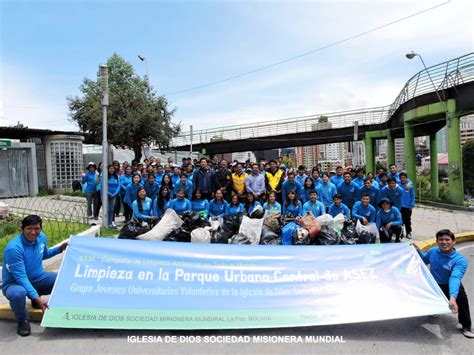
(23, 274)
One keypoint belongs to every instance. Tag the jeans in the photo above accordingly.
(16, 294)
(110, 211)
(91, 201)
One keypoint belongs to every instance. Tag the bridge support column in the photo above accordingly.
(456, 187)
(369, 154)
(410, 161)
(434, 166)
(390, 148)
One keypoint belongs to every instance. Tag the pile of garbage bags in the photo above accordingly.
(259, 227)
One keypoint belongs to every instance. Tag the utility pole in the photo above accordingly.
(104, 88)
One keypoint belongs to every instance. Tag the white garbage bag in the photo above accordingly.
(201, 235)
(168, 223)
(252, 228)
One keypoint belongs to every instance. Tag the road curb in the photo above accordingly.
(427, 244)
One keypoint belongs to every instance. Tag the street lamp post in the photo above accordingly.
(143, 59)
(104, 88)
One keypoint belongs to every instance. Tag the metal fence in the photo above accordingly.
(444, 75)
(61, 218)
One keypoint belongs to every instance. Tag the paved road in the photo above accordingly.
(430, 335)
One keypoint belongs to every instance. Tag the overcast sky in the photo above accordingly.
(48, 47)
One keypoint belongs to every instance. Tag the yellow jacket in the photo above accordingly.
(238, 183)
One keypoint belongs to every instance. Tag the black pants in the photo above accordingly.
(406, 217)
(98, 203)
(464, 315)
(118, 201)
(127, 212)
(386, 235)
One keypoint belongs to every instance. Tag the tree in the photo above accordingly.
(468, 166)
(137, 116)
(322, 119)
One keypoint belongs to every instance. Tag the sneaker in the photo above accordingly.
(459, 327)
(409, 236)
(468, 333)
(24, 328)
(114, 225)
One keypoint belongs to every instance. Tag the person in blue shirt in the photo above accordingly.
(23, 274)
(408, 202)
(292, 207)
(389, 221)
(338, 178)
(313, 205)
(175, 177)
(125, 180)
(448, 267)
(234, 207)
(162, 202)
(338, 207)
(393, 172)
(198, 204)
(151, 187)
(184, 184)
(143, 207)
(348, 190)
(370, 188)
(181, 204)
(315, 177)
(113, 190)
(250, 203)
(91, 180)
(382, 180)
(307, 188)
(393, 192)
(159, 174)
(360, 178)
(190, 172)
(326, 191)
(131, 194)
(290, 185)
(364, 211)
(166, 181)
(217, 206)
(301, 176)
(272, 204)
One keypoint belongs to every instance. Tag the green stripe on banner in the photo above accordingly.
(186, 319)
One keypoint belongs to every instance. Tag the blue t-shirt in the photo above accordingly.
(199, 205)
(217, 208)
(275, 208)
(147, 209)
(181, 206)
(317, 209)
(233, 209)
(293, 210)
(334, 211)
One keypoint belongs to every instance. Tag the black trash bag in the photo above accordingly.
(178, 235)
(227, 229)
(366, 238)
(348, 233)
(257, 213)
(192, 220)
(327, 236)
(269, 237)
(301, 237)
(240, 238)
(133, 229)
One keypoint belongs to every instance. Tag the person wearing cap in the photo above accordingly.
(332, 173)
(338, 178)
(364, 211)
(408, 202)
(301, 176)
(448, 267)
(91, 181)
(338, 207)
(274, 178)
(389, 221)
(393, 192)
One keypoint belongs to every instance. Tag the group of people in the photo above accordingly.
(216, 189)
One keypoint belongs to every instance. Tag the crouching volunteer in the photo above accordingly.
(389, 221)
(364, 211)
(448, 267)
(23, 274)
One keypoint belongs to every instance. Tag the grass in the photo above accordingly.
(56, 231)
(108, 232)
